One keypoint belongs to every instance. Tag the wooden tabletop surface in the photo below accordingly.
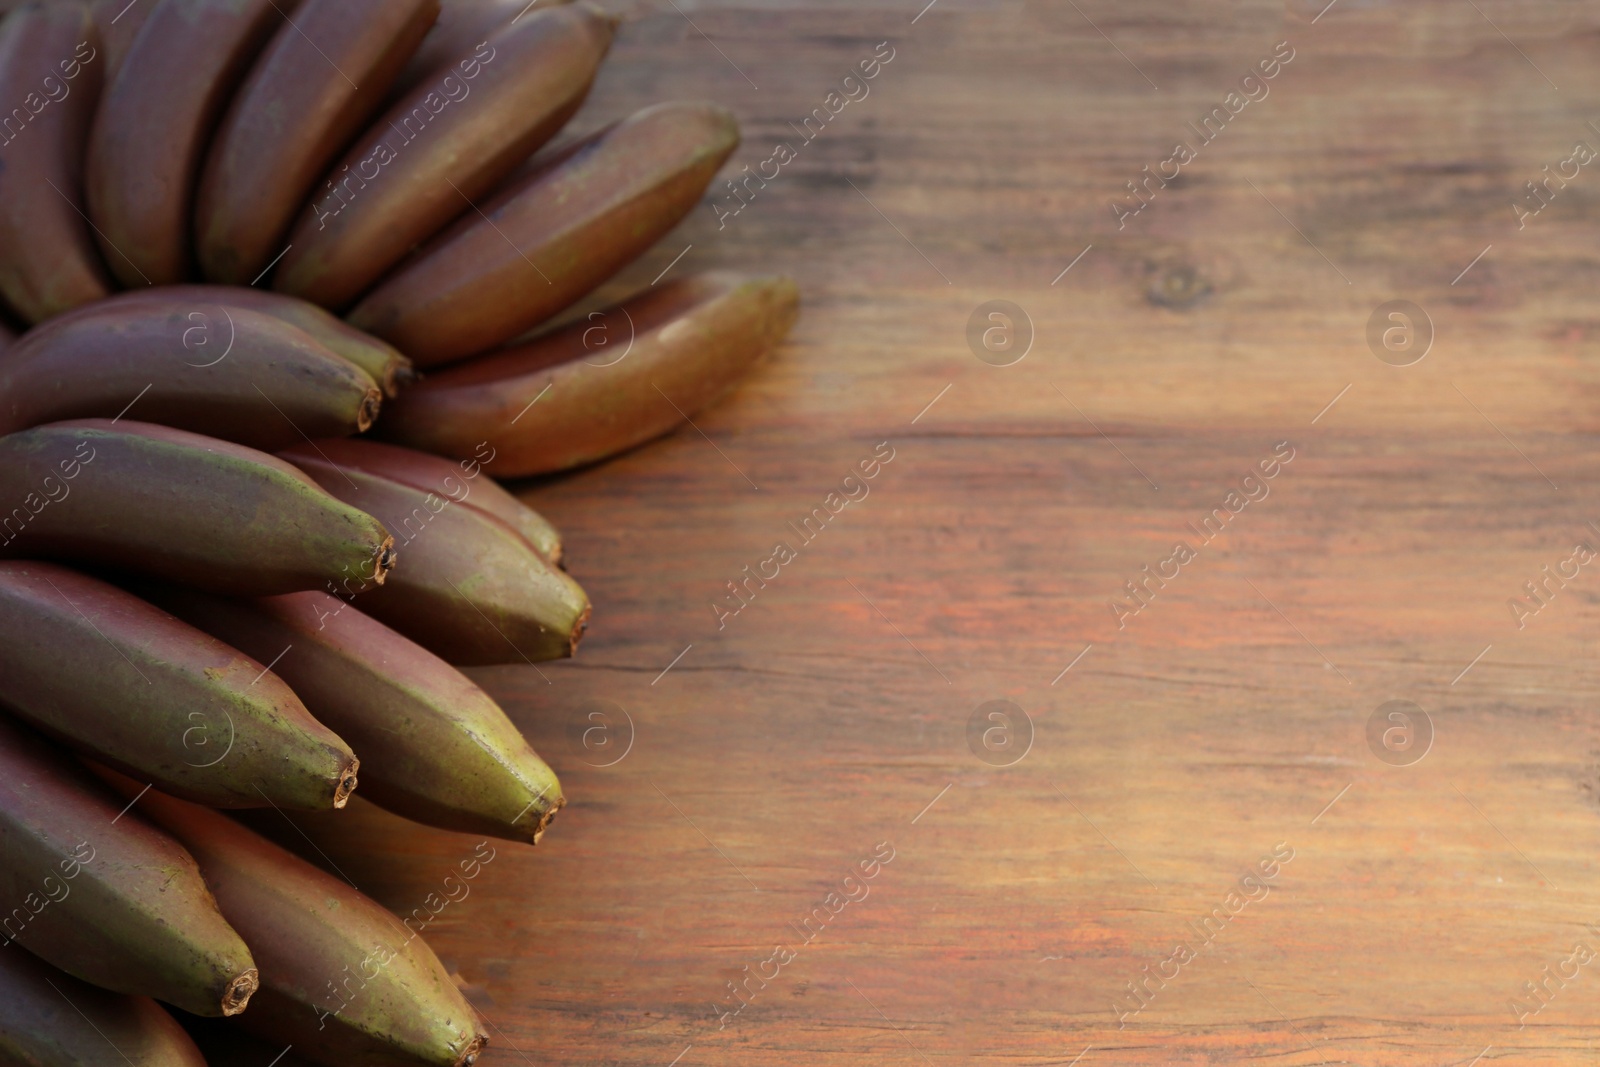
(1199, 837)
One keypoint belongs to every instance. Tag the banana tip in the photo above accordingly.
(385, 561)
(347, 784)
(238, 993)
(543, 821)
(469, 1055)
(368, 414)
(399, 375)
(579, 628)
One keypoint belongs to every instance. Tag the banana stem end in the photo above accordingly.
(578, 630)
(347, 784)
(469, 1055)
(367, 414)
(384, 563)
(399, 374)
(544, 819)
(239, 991)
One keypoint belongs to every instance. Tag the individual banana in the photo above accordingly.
(439, 750)
(50, 75)
(439, 148)
(472, 590)
(601, 385)
(43, 1012)
(316, 84)
(195, 363)
(459, 482)
(118, 22)
(548, 237)
(121, 680)
(382, 361)
(93, 889)
(176, 505)
(149, 135)
(342, 979)
(462, 24)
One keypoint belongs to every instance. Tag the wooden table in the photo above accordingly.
(1225, 720)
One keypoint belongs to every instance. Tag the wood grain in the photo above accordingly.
(1228, 716)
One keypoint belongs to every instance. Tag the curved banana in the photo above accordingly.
(42, 1012)
(472, 590)
(603, 384)
(195, 364)
(462, 24)
(459, 482)
(50, 74)
(550, 236)
(342, 979)
(118, 23)
(176, 505)
(381, 360)
(438, 749)
(318, 81)
(98, 892)
(122, 681)
(150, 133)
(441, 147)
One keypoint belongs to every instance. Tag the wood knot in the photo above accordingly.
(1177, 285)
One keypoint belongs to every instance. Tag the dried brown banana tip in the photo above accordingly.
(387, 557)
(347, 783)
(579, 628)
(239, 992)
(545, 818)
(469, 1055)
